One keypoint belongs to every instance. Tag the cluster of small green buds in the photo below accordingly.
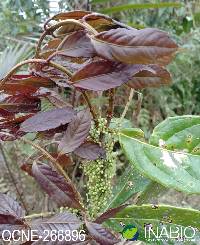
(100, 172)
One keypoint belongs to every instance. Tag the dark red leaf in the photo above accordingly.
(146, 46)
(63, 160)
(90, 151)
(52, 44)
(57, 100)
(17, 88)
(101, 22)
(20, 103)
(27, 167)
(30, 80)
(65, 221)
(77, 15)
(48, 134)
(60, 78)
(100, 234)
(77, 44)
(109, 214)
(55, 185)
(144, 79)
(48, 120)
(50, 48)
(9, 128)
(62, 221)
(70, 27)
(5, 113)
(102, 75)
(11, 214)
(77, 131)
(8, 206)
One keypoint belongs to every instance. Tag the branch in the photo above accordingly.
(41, 61)
(110, 106)
(94, 115)
(54, 163)
(52, 28)
(127, 104)
(40, 215)
(48, 156)
(15, 68)
(61, 68)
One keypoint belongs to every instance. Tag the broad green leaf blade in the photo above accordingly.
(133, 132)
(157, 217)
(130, 183)
(181, 132)
(145, 214)
(177, 170)
(126, 7)
(151, 191)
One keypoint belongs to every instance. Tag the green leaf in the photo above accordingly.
(181, 132)
(126, 7)
(177, 170)
(130, 183)
(133, 132)
(156, 216)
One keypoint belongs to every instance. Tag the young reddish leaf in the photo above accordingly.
(63, 160)
(144, 79)
(55, 185)
(5, 113)
(77, 131)
(146, 46)
(109, 214)
(71, 63)
(77, 44)
(50, 47)
(55, 98)
(57, 101)
(9, 128)
(71, 27)
(101, 22)
(27, 167)
(20, 103)
(100, 234)
(48, 120)
(77, 15)
(17, 88)
(90, 151)
(48, 72)
(102, 75)
(52, 44)
(49, 134)
(60, 78)
(30, 80)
